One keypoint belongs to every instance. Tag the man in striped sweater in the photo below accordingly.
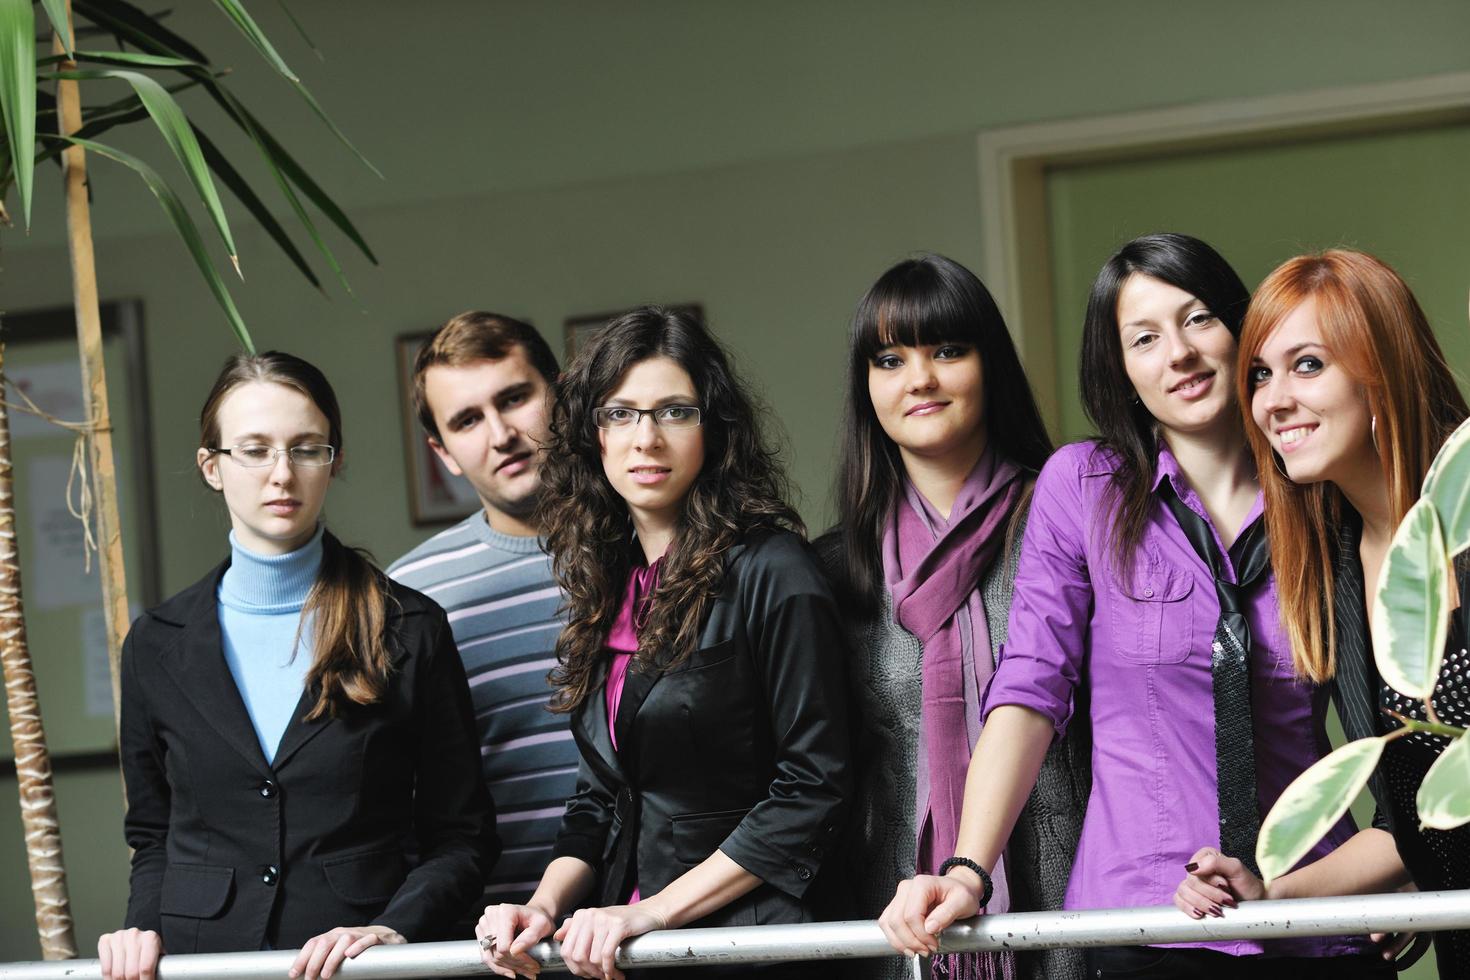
(482, 390)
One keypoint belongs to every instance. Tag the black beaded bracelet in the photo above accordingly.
(960, 862)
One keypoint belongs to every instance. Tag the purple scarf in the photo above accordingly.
(933, 567)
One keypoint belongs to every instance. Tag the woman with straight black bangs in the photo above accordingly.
(942, 441)
(1144, 555)
(703, 662)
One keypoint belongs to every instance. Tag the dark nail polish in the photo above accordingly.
(1191, 867)
(1230, 903)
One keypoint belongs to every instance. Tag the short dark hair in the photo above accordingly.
(477, 336)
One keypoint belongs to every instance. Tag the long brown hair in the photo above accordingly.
(1373, 325)
(348, 605)
(740, 489)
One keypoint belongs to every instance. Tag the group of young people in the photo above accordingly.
(1009, 678)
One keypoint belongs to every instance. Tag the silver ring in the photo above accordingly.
(487, 943)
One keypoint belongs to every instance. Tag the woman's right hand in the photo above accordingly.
(922, 908)
(1214, 881)
(129, 954)
(511, 931)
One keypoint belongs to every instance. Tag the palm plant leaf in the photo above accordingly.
(238, 15)
(129, 24)
(177, 133)
(56, 13)
(231, 178)
(174, 208)
(283, 166)
(18, 93)
(286, 9)
(242, 20)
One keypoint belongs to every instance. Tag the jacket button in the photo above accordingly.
(270, 874)
(803, 872)
(267, 789)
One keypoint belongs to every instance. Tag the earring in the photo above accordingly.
(1373, 433)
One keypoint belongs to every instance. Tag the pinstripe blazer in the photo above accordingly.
(1355, 688)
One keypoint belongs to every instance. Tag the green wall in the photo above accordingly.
(551, 159)
(1386, 194)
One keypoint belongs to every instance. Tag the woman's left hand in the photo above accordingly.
(590, 938)
(320, 956)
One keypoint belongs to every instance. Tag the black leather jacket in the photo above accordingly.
(743, 747)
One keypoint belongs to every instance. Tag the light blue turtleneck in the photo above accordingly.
(260, 600)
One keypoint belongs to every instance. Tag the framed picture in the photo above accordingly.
(435, 495)
(63, 592)
(581, 329)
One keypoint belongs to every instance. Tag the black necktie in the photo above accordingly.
(1230, 661)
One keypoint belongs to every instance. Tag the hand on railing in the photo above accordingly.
(506, 932)
(590, 938)
(129, 954)
(923, 907)
(1214, 882)
(322, 955)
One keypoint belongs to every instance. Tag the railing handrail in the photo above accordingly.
(1346, 916)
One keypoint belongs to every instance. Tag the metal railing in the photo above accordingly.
(1349, 916)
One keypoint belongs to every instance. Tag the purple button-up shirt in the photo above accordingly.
(1138, 655)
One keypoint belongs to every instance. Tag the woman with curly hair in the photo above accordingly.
(702, 662)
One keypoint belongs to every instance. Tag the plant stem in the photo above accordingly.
(94, 381)
(1432, 727)
(32, 760)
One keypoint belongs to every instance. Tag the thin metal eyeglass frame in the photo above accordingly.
(276, 454)
(599, 417)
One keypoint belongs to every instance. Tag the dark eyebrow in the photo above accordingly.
(1145, 322)
(460, 416)
(666, 400)
(523, 388)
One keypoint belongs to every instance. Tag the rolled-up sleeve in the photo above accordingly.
(800, 656)
(587, 819)
(1041, 663)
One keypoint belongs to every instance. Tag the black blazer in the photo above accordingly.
(234, 853)
(742, 748)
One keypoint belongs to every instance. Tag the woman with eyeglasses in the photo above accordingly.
(941, 444)
(702, 661)
(292, 720)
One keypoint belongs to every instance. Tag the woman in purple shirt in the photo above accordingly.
(1143, 603)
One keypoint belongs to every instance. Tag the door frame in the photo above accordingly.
(1013, 164)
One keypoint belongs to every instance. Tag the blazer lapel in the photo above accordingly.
(196, 662)
(593, 719)
(636, 686)
(300, 731)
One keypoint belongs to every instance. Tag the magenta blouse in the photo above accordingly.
(622, 642)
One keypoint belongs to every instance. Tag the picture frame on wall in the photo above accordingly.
(579, 330)
(435, 495)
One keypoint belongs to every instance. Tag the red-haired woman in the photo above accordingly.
(291, 719)
(1351, 398)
